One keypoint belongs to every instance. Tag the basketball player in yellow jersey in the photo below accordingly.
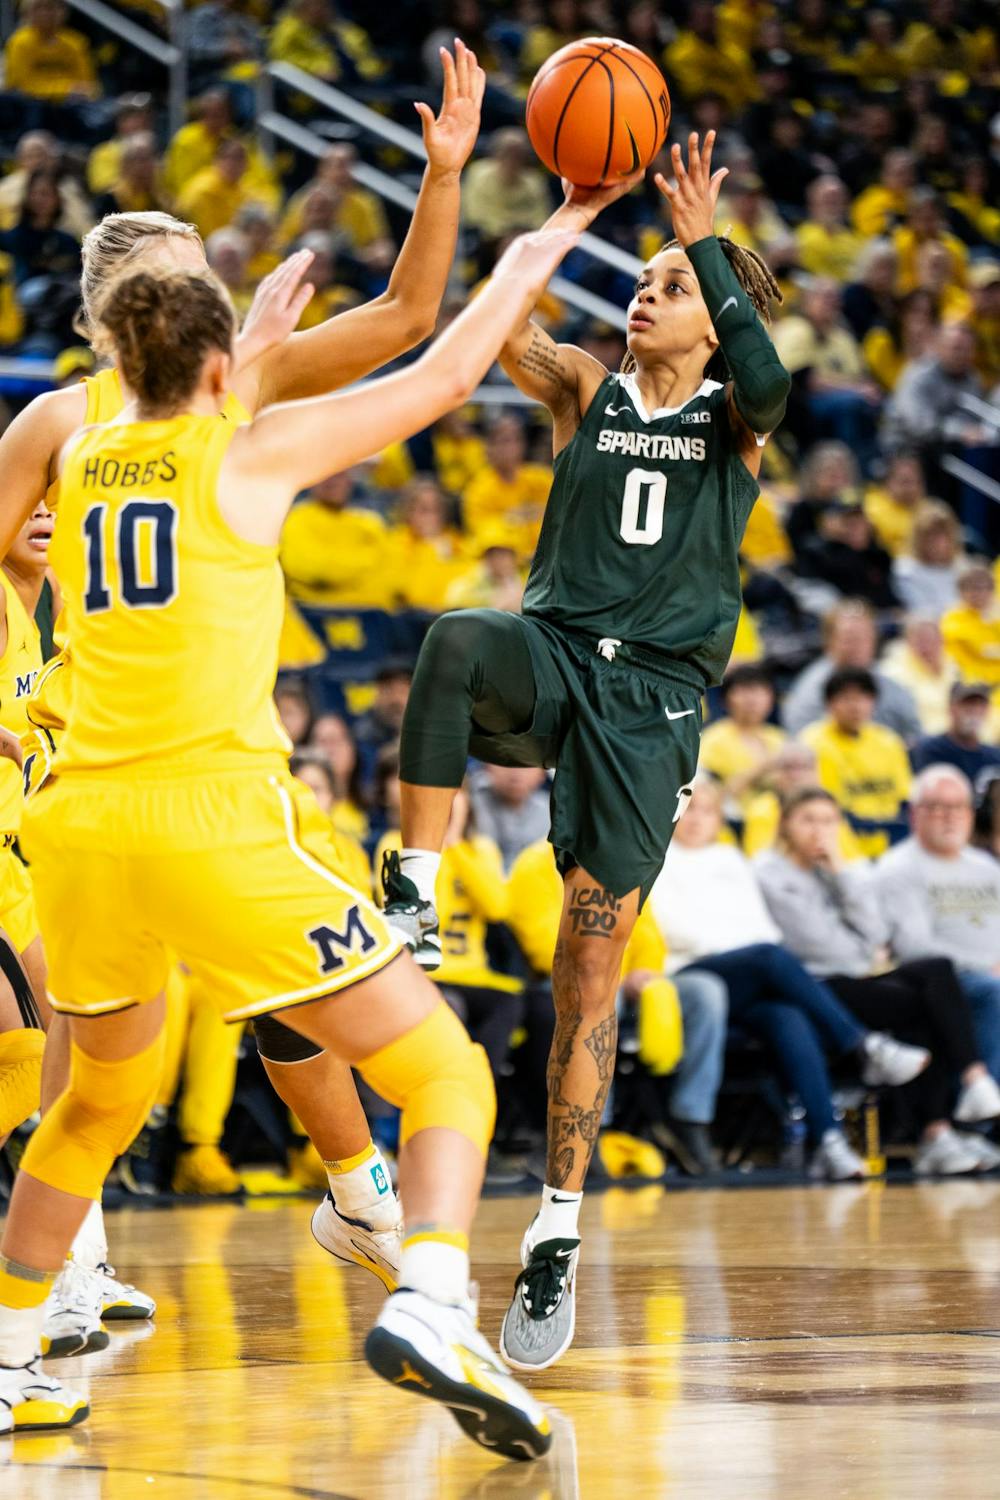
(170, 824)
(272, 363)
(22, 989)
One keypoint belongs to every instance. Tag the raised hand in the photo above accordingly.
(695, 191)
(585, 203)
(532, 258)
(278, 304)
(450, 137)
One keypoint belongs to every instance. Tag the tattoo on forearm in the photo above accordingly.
(542, 358)
(593, 911)
(574, 1126)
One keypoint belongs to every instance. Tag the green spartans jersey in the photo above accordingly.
(643, 527)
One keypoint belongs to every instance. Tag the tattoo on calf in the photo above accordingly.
(574, 1127)
(542, 358)
(593, 911)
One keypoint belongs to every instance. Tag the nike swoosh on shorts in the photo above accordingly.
(681, 713)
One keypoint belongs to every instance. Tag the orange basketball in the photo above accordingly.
(597, 110)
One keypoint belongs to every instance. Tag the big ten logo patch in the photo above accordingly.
(593, 911)
(380, 1180)
(327, 940)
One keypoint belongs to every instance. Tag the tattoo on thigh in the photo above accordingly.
(593, 911)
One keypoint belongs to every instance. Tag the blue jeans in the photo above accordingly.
(705, 1008)
(850, 419)
(795, 1015)
(983, 994)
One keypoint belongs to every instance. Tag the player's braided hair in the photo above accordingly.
(756, 279)
(163, 328)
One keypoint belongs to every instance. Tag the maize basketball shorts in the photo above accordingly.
(18, 916)
(216, 869)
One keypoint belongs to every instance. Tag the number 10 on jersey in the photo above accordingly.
(145, 545)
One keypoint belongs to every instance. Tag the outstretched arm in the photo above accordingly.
(290, 447)
(356, 342)
(560, 376)
(760, 383)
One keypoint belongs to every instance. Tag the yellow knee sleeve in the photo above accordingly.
(94, 1120)
(20, 1076)
(437, 1077)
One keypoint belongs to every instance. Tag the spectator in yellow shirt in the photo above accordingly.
(334, 553)
(505, 190)
(862, 764)
(877, 61)
(46, 59)
(908, 335)
(137, 187)
(971, 631)
(351, 861)
(196, 146)
(740, 748)
(917, 661)
(891, 506)
(765, 542)
(423, 552)
(827, 245)
(311, 35)
(459, 451)
(38, 151)
(937, 46)
(972, 211)
(984, 283)
(331, 738)
(698, 62)
(793, 768)
(818, 346)
(925, 225)
(258, 227)
(133, 116)
(356, 213)
(11, 316)
(214, 196)
(496, 581)
(226, 253)
(330, 296)
(508, 490)
(883, 205)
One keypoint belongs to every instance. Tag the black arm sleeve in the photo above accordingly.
(760, 381)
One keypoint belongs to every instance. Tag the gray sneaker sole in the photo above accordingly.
(531, 1344)
(486, 1420)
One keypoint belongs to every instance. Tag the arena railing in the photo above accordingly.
(369, 120)
(171, 54)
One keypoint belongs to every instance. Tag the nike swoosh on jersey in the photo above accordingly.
(614, 411)
(729, 302)
(681, 713)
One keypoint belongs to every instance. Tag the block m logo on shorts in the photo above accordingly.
(327, 940)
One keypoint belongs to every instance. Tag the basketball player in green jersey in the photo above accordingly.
(629, 615)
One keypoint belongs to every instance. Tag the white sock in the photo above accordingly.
(439, 1270)
(90, 1246)
(20, 1334)
(365, 1191)
(421, 866)
(558, 1217)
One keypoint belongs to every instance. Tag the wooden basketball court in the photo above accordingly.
(814, 1342)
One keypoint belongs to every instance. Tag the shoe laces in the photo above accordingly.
(76, 1289)
(543, 1280)
(108, 1274)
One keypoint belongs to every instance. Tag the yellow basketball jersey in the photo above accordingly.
(19, 666)
(174, 620)
(105, 400)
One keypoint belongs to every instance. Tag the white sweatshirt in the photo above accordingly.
(708, 901)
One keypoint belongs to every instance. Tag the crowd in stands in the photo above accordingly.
(846, 817)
